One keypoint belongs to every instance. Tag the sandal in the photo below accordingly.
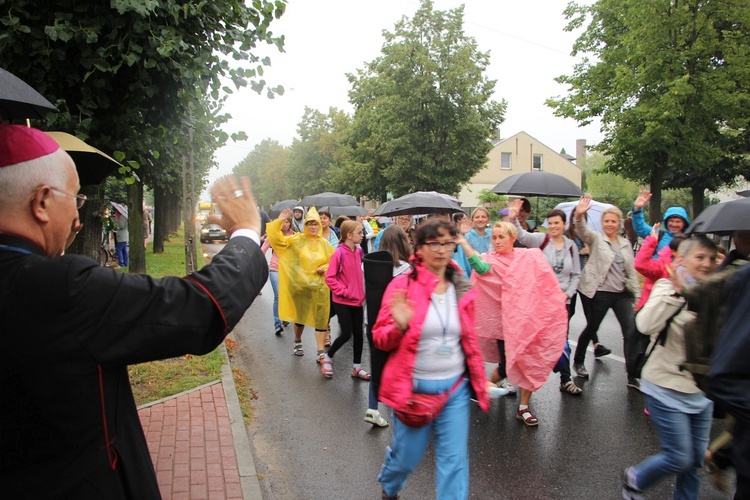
(527, 417)
(571, 388)
(328, 339)
(326, 368)
(360, 373)
(298, 351)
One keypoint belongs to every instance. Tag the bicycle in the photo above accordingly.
(106, 252)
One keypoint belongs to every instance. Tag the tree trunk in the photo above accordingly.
(699, 198)
(173, 212)
(160, 212)
(657, 175)
(88, 241)
(137, 259)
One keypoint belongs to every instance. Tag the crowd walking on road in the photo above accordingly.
(425, 338)
(435, 296)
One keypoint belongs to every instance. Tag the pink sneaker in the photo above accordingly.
(645, 410)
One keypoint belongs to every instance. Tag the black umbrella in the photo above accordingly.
(92, 165)
(418, 203)
(18, 100)
(723, 218)
(329, 199)
(538, 184)
(744, 194)
(276, 210)
(350, 211)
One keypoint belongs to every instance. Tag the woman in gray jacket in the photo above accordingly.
(610, 281)
(562, 255)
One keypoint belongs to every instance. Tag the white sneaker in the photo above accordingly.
(496, 392)
(373, 417)
(508, 387)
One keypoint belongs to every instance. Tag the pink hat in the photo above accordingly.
(19, 143)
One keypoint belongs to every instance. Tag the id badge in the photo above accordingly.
(444, 350)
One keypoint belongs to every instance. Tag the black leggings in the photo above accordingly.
(622, 305)
(350, 320)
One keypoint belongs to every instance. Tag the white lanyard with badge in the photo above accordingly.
(443, 349)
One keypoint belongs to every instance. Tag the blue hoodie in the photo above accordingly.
(643, 229)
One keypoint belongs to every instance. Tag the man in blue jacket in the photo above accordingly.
(675, 221)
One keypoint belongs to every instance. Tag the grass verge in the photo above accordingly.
(160, 379)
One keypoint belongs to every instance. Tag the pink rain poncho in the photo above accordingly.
(520, 301)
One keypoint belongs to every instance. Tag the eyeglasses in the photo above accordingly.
(361, 233)
(80, 198)
(436, 246)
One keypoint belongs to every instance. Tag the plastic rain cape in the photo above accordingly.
(304, 297)
(520, 301)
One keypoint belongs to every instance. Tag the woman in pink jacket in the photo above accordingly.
(426, 322)
(344, 278)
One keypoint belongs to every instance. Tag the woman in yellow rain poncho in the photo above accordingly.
(304, 297)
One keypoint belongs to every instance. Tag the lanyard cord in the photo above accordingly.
(444, 324)
(9, 248)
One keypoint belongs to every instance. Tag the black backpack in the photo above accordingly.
(707, 299)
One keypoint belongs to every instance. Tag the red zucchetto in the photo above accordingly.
(19, 143)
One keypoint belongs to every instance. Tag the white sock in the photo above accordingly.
(523, 407)
(357, 366)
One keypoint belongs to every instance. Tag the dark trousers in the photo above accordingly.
(622, 305)
(502, 364)
(351, 319)
(565, 371)
(378, 359)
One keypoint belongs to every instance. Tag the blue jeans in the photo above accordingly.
(274, 275)
(684, 439)
(451, 443)
(121, 250)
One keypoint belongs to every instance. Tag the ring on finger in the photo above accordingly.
(238, 194)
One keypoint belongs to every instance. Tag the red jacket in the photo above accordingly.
(397, 382)
(651, 269)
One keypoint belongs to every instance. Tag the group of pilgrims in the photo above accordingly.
(413, 289)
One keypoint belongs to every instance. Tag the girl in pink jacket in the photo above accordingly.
(344, 278)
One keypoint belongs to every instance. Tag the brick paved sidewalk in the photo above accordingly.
(192, 447)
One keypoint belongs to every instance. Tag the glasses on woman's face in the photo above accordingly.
(436, 246)
(361, 233)
(80, 198)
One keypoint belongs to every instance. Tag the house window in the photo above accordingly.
(537, 165)
(505, 161)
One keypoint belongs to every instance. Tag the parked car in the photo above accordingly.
(211, 232)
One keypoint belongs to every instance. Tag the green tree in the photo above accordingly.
(132, 75)
(266, 167)
(319, 155)
(668, 79)
(423, 110)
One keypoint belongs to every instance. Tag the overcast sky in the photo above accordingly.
(325, 39)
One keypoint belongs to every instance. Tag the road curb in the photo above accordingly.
(245, 462)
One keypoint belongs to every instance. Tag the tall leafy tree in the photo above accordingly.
(669, 81)
(266, 167)
(423, 110)
(128, 74)
(320, 153)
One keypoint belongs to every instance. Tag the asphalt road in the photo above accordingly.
(310, 441)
